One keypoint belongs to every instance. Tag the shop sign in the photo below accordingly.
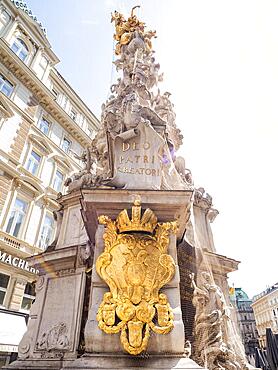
(16, 262)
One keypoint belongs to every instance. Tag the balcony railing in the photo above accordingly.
(19, 244)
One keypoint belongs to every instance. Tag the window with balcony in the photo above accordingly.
(65, 145)
(58, 181)
(46, 231)
(17, 217)
(28, 296)
(20, 49)
(73, 115)
(33, 163)
(4, 281)
(6, 87)
(44, 126)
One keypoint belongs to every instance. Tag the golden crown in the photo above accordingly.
(147, 223)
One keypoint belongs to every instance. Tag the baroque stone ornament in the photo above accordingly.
(214, 347)
(136, 145)
(55, 338)
(135, 265)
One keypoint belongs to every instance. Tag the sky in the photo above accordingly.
(220, 62)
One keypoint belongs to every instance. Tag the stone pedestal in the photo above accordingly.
(115, 361)
(110, 204)
(55, 335)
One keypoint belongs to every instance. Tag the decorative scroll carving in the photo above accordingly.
(54, 339)
(135, 265)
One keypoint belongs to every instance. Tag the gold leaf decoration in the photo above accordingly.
(135, 265)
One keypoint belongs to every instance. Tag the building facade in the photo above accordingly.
(265, 306)
(44, 128)
(247, 323)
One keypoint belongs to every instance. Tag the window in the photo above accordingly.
(47, 231)
(73, 114)
(66, 143)
(4, 281)
(28, 296)
(90, 132)
(4, 18)
(33, 163)
(55, 93)
(65, 102)
(5, 86)
(44, 126)
(17, 217)
(42, 67)
(58, 181)
(20, 49)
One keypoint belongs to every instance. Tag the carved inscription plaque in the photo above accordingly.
(137, 160)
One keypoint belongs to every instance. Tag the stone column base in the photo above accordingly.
(50, 364)
(121, 362)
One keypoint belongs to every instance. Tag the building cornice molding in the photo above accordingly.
(60, 81)
(12, 106)
(21, 177)
(14, 245)
(221, 264)
(42, 93)
(263, 296)
(60, 151)
(12, 171)
(41, 143)
(33, 29)
(4, 107)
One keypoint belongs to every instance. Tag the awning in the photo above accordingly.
(12, 328)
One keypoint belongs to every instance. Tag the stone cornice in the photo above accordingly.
(17, 246)
(60, 151)
(59, 79)
(15, 107)
(41, 92)
(221, 264)
(33, 29)
(21, 177)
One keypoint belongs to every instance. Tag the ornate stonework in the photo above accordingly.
(214, 348)
(136, 145)
(135, 266)
(54, 339)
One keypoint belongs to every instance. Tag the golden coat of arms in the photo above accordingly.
(135, 265)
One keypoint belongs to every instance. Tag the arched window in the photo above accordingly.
(20, 49)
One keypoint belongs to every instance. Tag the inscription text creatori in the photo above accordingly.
(130, 159)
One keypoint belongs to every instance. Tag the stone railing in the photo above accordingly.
(19, 244)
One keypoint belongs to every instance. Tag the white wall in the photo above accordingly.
(33, 224)
(56, 133)
(8, 132)
(47, 171)
(22, 97)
